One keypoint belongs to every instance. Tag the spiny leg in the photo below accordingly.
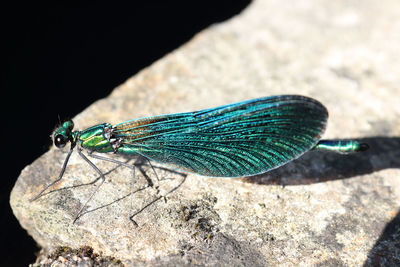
(59, 176)
(132, 167)
(154, 200)
(152, 167)
(90, 154)
(102, 178)
(158, 179)
(157, 185)
(157, 199)
(123, 164)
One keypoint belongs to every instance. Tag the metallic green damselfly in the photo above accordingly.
(235, 140)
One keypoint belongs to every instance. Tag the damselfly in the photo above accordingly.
(235, 140)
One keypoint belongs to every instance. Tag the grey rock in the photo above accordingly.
(322, 209)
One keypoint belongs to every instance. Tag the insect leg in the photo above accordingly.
(59, 176)
(116, 162)
(123, 164)
(158, 179)
(102, 177)
(132, 167)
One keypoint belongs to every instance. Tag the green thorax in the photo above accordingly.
(95, 138)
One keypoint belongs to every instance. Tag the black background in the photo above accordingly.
(60, 59)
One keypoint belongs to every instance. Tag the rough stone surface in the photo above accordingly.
(322, 209)
(82, 257)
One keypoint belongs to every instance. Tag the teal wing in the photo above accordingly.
(240, 139)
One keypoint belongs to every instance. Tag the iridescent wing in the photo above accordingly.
(240, 139)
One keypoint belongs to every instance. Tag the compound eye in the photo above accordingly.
(60, 141)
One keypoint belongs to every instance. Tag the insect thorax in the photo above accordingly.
(99, 138)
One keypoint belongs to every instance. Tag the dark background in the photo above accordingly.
(59, 60)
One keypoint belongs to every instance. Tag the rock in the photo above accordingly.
(322, 209)
(81, 257)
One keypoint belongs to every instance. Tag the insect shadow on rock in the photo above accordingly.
(140, 210)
